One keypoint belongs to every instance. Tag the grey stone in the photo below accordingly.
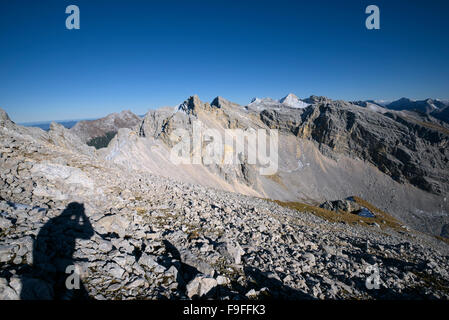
(150, 263)
(200, 286)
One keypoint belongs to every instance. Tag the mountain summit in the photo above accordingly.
(293, 101)
(4, 116)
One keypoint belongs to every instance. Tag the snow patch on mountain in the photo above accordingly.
(293, 101)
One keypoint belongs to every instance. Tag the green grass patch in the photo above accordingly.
(382, 218)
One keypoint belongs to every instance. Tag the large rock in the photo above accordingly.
(6, 292)
(114, 224)
(200, 286)
(406, 148)
(7, 252)
(5, 223)
(190, 259)
(232, 251)
(341, 205)
(114, 270)
(62, 173)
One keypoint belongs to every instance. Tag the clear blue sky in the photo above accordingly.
(140, 55)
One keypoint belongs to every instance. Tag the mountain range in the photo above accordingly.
(429, 107)
(391, 154)
(356, 184)
(396, 159)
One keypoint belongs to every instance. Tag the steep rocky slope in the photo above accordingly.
(404, 149)
(139, 235)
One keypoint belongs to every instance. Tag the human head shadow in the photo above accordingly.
(53, 250)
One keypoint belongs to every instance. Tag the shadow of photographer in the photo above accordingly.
(53, 251)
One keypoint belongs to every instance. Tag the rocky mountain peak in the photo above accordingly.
(316, 99)
(4, 118)
(126, 112)
(191, 105)
(402, 102)
(292, 101)
(56, 127)
(220, 102)
(289, 97)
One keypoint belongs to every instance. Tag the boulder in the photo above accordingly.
(5, 223)
(232, 251)
(150, 263)
(114, 224)
(190, 259)
(341, 205)
(4, 118)
(7, 252)
(200, 286)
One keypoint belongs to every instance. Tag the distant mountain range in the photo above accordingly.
(45, 125)
(434, 107)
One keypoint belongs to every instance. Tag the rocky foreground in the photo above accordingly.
(135, 235)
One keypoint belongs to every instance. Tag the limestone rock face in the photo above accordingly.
(155, 122)
(63, 137)
(403, 146)
(192, 105)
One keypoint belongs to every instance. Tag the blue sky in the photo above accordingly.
(140, 55)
